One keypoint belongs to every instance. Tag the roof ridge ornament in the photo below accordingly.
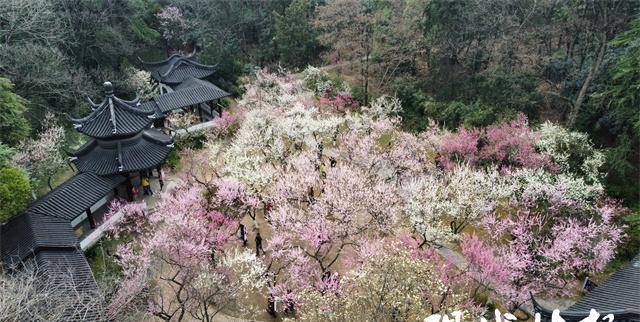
(108, 88)
(108, 91)
(119, 157)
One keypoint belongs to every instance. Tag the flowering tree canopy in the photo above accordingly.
(42, 157)
(347, 203)
(181, 246)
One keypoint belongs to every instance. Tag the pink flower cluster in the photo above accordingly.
(507, 145)
(529, 252)
(340, 102)
(226, 123)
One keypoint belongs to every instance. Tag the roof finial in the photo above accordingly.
(108, 88)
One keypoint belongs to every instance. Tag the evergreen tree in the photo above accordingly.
(295, 36)
(13, 125)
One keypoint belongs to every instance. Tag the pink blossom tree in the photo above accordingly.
(532, 250)
(42, 157)
(312, 227)
(175, 28)
(180, 262)
(506, 145)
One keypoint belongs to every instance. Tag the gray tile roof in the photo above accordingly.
(147, 149)
(59, 262)
(43, 236)
(76, 195)
(191, 92)
(114, 118)
(47, 222)
(23, 236)
(177, 68)
(619, 295)
(70, 271)
(620, 292)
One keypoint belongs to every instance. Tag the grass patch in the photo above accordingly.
(101, 261)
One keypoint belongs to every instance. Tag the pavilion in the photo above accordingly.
(183, 87)
(176, 69)
(619, 295)
(47, 234)
(122, 141)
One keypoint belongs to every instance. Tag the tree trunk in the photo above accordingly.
(593, 71)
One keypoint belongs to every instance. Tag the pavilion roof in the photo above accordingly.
(59, 263)
(190, 92)
(75, 195)
(618, 295)
(620, 292)
(23, 236)
(69, 271)
(145, 150)
(177, 68)
(114, 117)
(47, 222)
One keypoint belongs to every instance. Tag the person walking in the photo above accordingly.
(134, 193)
(243, 235)
(161, 179)
(146, 186)
(320, 151)
(259, 244)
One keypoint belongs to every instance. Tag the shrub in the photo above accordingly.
(173, 159)
(14, 192)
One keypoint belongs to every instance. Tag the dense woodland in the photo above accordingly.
(565, 75)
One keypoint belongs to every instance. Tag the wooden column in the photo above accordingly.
(92, 221)
(129, 186)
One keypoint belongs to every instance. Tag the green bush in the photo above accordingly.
(173, 159)
(357, 92)
(15, 192)
(454, 114)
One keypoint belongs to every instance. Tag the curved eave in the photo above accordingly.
(163, 62)
(128, 121)
(97, 109)
(182, 72)
(190, 63)
(145, 151)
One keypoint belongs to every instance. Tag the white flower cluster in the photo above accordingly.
(383, 107)
(437, 205)
(572, 152)
(141, 81)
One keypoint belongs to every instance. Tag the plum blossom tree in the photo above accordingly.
(342, 213)
(572, 152)
(334, 185)
(175, 28)
(142, 83)
(392, 283)
(41, 158)
(179, 260)
(544, 239)
(506, 145)
(227, 123)
(441, 205)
